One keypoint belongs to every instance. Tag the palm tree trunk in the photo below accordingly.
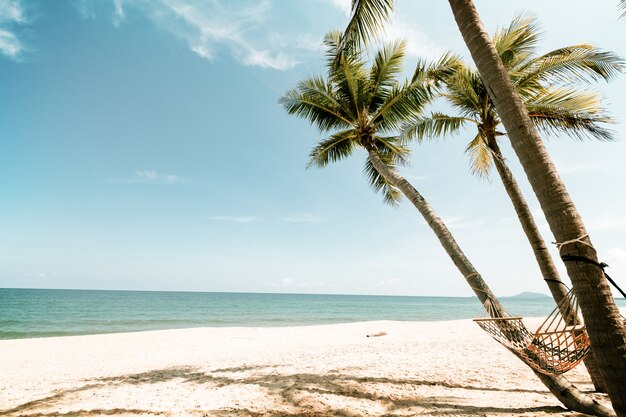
(542, 254)
(558, 385)
(473, 278)
(602, 318)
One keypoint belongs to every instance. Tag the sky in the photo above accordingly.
(142, 147)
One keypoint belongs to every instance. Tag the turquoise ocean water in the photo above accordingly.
(26, 313)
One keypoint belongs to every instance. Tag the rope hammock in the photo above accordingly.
(558, 345)
(561, 342)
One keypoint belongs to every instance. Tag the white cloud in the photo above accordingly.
(418, 43)
(304, 218)
(343, 5)
(12, 14)
(119, 13)
(232, 219)
(460, 223)
(389, 282)
(290, 283)
(86, 9)
(265, 59)
(9, 44)
(12, 10)
(205, 26)
(151, 176)
(615, 256)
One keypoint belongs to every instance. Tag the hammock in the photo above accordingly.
(558, 345)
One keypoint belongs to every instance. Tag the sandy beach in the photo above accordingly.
(416, 368)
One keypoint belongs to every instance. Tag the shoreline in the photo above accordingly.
(422, 368)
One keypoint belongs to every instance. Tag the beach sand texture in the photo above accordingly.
(417, 368)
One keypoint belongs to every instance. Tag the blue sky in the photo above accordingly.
(142, 147)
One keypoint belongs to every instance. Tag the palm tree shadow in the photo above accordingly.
(304, 392)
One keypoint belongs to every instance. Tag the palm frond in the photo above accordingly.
(622, 6)
(577, 113)
(351, 87)
(404, 104)
(570, 64)
(335, 148)
(387, 64)
(313, 99)
(516, 42)
(392, 152)
(339, 51)
(466, 92)
(436, 73)
(393, 148)
(481, 158)
(367, 19)
(437, 125)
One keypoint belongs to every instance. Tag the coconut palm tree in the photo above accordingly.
(365, 108)
(602, 318)
(544, 83)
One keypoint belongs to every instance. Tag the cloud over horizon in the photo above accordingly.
(151, 176)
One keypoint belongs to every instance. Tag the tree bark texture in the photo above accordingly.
(602, 318)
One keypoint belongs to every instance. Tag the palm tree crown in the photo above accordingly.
(365, 107)
(542, 82)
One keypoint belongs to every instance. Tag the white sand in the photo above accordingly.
(417, 368)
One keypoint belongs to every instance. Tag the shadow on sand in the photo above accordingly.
(297, 394)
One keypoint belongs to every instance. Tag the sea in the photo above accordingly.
(29, 313)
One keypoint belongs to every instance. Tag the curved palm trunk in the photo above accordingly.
(559, 386)
(604, 325)
(542, 254)
(540, 250)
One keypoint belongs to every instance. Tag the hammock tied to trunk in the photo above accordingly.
(558, 345)
(561, 341)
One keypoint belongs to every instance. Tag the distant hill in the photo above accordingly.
(528, 294)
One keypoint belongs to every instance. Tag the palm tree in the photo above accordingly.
(365, 108)
(622, 6)
(604, 324)
(554, 106)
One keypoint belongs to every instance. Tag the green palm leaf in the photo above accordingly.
(391, 195)
(314, 100)
(358, 105)
(387, 64)
(577, 113)
(368, 18)
(437, 125)
(571, 64)
(466, 93)
(335, 148)
(392, 152)
(516, 42)
(436, 73)
(544, 83)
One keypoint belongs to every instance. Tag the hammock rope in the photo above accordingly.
(558, 345)
(561, 341)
